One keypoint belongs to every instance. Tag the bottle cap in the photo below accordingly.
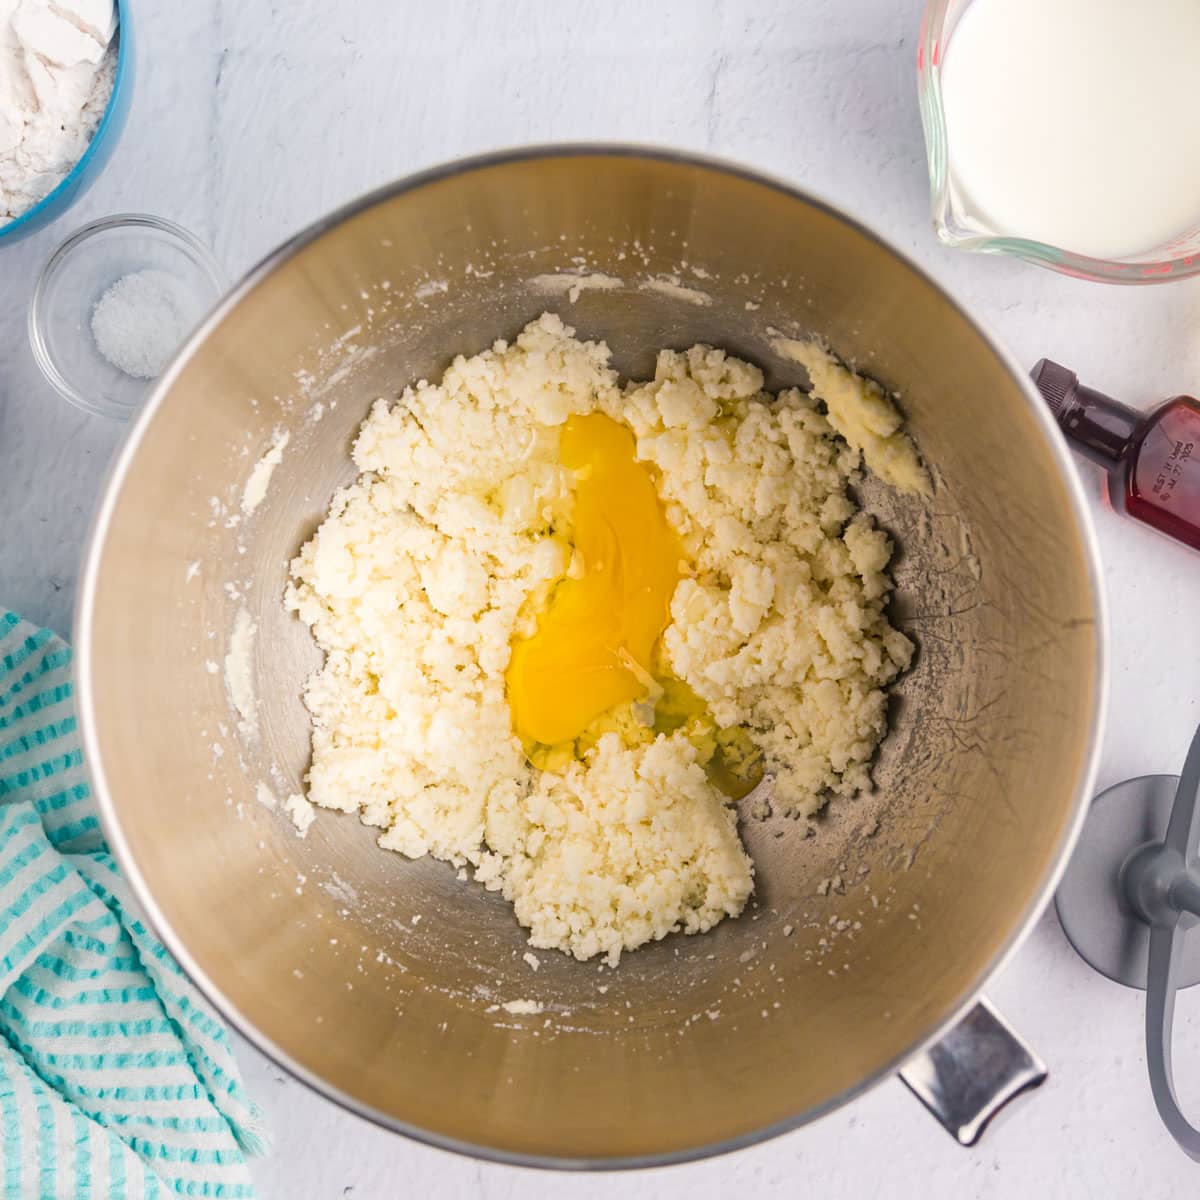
(1056, 383)
(1098, 426)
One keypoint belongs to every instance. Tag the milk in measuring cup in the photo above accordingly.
(1077, 122)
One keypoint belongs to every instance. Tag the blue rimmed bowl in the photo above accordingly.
(104, 141)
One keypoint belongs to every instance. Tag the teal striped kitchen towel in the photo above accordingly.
(116, 1078)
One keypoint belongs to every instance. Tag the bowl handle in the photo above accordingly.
(973, 1072)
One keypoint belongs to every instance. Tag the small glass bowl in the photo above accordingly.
(100, 149)
(957, 225)
(79, 272)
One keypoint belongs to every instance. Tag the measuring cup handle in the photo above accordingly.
(973, 1072)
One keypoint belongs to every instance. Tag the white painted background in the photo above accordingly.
(252, 118)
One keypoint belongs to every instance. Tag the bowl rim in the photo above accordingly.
(201, 254)
(89, 581)
(124, 50)
(941, 204)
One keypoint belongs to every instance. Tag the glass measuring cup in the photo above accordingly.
(957, 222)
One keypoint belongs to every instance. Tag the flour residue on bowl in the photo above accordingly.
(255, 491)
(239, 673)
(301, 813)
(523, 1008)
(673, 287)
(572, 285)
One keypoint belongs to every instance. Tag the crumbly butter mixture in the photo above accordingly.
(448, 548)
(860, 411)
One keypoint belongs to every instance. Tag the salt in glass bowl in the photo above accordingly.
(78, 274)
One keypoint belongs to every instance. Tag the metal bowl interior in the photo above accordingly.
(377, 978)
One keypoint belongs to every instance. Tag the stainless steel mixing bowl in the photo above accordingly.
(377, 979)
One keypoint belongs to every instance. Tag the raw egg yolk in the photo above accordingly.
(595, 639)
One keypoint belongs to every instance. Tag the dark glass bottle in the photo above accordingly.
(1152, 459)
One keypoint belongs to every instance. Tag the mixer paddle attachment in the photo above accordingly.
(1129, 904)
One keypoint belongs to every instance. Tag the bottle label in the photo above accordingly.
(1167, 478)
(1166, 468)
(1164, 483)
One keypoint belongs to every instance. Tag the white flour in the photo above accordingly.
(57, 64)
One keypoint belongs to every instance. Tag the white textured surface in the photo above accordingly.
(252, 119)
